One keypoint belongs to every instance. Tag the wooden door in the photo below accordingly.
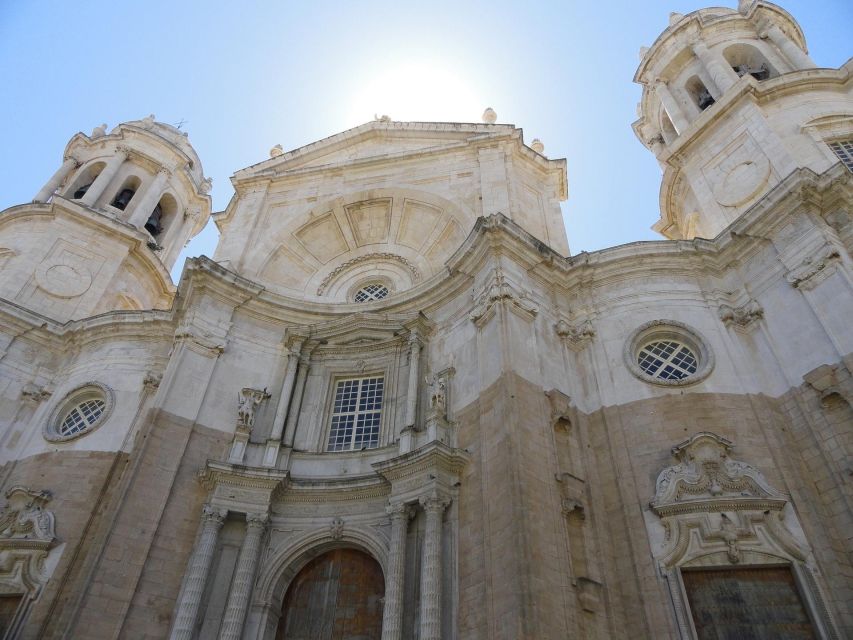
(336, 596)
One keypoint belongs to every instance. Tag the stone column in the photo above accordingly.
(56, 179)
(433, 507)
(199, 567)
(104, 178)
(296, 403)
(244, 578)
(142, 209)
(717, 67)
(796, 56)
(392, 614)
(274, 441)
(412, 397)
(671, 106)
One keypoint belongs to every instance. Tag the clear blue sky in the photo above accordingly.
(246, 76)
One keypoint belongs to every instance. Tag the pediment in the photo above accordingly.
(377, 140)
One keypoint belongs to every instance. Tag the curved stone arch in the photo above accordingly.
(286, 562)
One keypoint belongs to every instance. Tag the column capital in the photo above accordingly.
(72, 159)
(212, 515)
(122, 150)
(434, 502)
(257, 520)
(399, 511)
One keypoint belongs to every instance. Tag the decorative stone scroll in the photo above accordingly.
(27, 534)
(501, 291)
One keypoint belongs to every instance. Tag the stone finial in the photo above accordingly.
(675, 18)
(99, 131)
(205, 186)
(643, 52)
(382, 118)
(148, 122)
(537, 146)
(276, 151)
(743, 6)
(490, 116)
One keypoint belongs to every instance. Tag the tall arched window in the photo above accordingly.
(699, 93)
(746, 59)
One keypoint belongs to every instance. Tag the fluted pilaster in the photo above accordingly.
(392, 614)
(244, 578)
(197, 572)
(433, 507)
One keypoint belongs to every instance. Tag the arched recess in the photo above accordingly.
(699, 93)
(287, 562)
(747, 59)
(84, 179)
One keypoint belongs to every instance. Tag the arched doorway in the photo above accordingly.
(336, 596)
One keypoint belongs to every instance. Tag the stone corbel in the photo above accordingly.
(34, 394)
(742, 317)
(830, 381)
(152, 380)
(561, 406)
(577, 335)
(499, 291)
(814, 269)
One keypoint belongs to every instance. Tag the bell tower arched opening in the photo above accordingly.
(336, 595)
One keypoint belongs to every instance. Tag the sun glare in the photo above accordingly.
(417, 90)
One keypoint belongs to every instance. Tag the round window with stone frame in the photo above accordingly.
(668, 353)
(83, 410)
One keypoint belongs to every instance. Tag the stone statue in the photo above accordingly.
(438, 395)
(247, 403)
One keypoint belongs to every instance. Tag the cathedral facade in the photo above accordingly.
(394, 405)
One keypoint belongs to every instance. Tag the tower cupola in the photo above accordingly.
(144, 174)
(728, 96)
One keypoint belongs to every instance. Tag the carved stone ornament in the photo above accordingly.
(34, 393)
(501, 291)
(247, 403)
(561, 406)
(152, 380)
(706, 479)
(715, 511)
(370, 257)
(27, 534)
(814, 269)
(743, 316)
(577, 335)
(336, 529)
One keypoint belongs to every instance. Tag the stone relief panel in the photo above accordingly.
(739, 173)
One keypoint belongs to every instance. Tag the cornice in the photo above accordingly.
(435, 455)
(221, 473)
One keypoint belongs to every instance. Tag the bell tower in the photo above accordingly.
(732, 104)
(106, 228)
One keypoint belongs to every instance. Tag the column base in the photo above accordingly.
(238, 448)
(271, 453)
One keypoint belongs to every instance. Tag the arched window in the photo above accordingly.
(699, 93)
(746, 59)
(126, 193)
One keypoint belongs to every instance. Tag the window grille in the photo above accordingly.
(370, 292)
(844, 150)
(356, 414)
(667, 360)
(81, 417)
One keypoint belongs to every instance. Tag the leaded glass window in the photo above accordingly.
(667, 360)
(370, 292)
(844, 150)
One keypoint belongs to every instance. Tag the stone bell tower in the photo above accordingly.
(732, 104)
(104, 231)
